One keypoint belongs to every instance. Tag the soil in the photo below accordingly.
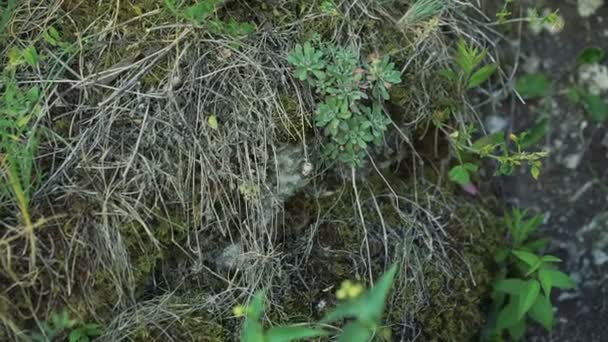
(572, 189)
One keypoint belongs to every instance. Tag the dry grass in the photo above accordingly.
(122, 153)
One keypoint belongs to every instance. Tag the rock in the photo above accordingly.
(495, 123)
(596, 232)
(587, 8)
(572, 161)
(594, 77)
(232, 257)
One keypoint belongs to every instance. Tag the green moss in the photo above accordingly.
(454, 311)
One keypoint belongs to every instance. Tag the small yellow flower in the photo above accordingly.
(513, 137)
(349, 290)
(354, 291)
(239, 311)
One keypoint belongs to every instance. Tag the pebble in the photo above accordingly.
(587, 8)
(572, 161)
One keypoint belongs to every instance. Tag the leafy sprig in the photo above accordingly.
(523, 288)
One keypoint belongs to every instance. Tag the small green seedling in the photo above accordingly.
(202, 13)
(469, 59)
(61, 325)
(523, 289)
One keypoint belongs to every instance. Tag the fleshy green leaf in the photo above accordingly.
(31, 56)
(591, 55)
(533, 85)
(291, 333)
(542, 312)
(212, 121)
(76, 335)
(482, 75)
(596, 107)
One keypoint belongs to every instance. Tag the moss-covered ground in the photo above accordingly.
(158, 173)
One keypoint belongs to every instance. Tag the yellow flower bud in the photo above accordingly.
(239, 311)
(354, 291)
(341, 294)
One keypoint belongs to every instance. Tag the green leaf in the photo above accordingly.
(542, 312)
(533, 85)
(560, 279)
(448, 74)
(527, 298)
(355, 332)
(596, 107)
(460, 173)
(31, 56)
(535, 245)
(482, 75)
(591, 55)
(291, 333)
(530, 259)
(517, 330)
(545, 280)
(344, 310)
(52, 36)
(507, 316)
(551, 258)
(501, 255)
(535, 134)
(531, 225)
(252, 331)
(200, 11)
(512, 286)
(92, 329)
(535, 171)
(171, 5)
(376, 297)
(212, 121)
(76, 335)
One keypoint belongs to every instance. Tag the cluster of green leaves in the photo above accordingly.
(202, 13)
(496, 147)
(470, 72)
(523, 288)
(19, 108)
(352, 112)
(364, 314)
(61, 325)
(595, 105)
